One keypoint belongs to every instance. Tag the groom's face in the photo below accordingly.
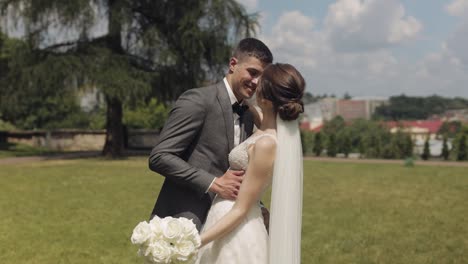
(245, 73)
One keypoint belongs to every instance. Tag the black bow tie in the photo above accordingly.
(239, 109)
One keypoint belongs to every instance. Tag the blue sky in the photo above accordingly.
(370, 47)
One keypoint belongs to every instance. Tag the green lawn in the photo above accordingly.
(83, 211)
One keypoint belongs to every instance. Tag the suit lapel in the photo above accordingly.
(226, 108)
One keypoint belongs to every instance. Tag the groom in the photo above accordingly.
(202, 128)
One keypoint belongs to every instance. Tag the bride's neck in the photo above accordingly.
(268, 122)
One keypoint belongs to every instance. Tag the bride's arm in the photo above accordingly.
(258, 176)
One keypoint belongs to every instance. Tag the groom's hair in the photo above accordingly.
(253, 47)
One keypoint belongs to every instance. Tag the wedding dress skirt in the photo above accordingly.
(248, 242)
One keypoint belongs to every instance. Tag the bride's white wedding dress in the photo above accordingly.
(247, 243)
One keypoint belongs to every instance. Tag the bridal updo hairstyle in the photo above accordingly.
(283, 85)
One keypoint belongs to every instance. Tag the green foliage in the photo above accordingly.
(399, 146)
(409, 162)
(346, 96)
(390, 151)
(6, 125)
(445, 150)
(426, 151)
(151, 48)
(307, 141)
(318, 144)
(411, 108)
(8, 150)
(462, 153)
(332, 147)
(450, 129)
(32, 94)
(150, 115)
(344, 141)
(373, 145)
(334, 125)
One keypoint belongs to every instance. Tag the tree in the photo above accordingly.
(307, 141)
(445, 150)
(426, 151)
(150, 48)
(347, 96)
(331, 146)
(450, 129)
(408, 146)
(406, 107)
(373, 145)
(30, 102)
(334, 126)
(318, 144)
(461, 150)
(344, 142)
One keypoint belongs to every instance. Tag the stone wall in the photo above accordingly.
(77, 140)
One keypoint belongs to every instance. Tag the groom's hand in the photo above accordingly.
(227, 186)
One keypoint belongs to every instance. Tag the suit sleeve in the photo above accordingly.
(184, 123)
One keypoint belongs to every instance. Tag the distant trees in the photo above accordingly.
(404, 107)
(426, 151)
(369, 138)
(331, 145)
(445, 150)
(318, 144)
(462, 153)
(373, 140)
(450, 129)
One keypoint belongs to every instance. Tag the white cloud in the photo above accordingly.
(352, 52)
(457, 7)
(357, 25)
(457, 42)
(294, 38)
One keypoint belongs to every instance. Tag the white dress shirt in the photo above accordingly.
(235, 116)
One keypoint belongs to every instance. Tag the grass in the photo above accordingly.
(83, 211)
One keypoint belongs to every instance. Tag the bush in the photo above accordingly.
(6, 125)
(146, 115)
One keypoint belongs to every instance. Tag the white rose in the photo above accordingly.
(190, 231)
(172, 229)
(159, 251)
(196, 240)
(183, 250)
(141, 233)
(156, 226)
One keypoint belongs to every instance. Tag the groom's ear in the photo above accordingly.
(232, 64)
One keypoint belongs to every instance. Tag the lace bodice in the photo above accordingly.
(239, 156)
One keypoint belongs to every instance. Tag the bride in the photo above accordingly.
(234, 231)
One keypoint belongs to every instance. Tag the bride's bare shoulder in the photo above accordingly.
(266, 143)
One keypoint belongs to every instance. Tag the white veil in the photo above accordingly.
(286, 196)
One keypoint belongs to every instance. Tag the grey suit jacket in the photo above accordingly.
(192, 149)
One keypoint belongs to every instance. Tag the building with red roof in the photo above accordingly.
(419, 129)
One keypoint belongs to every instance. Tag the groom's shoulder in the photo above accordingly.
(210, 89)
(203, 93)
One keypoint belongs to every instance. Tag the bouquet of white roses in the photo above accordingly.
(167, 240)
